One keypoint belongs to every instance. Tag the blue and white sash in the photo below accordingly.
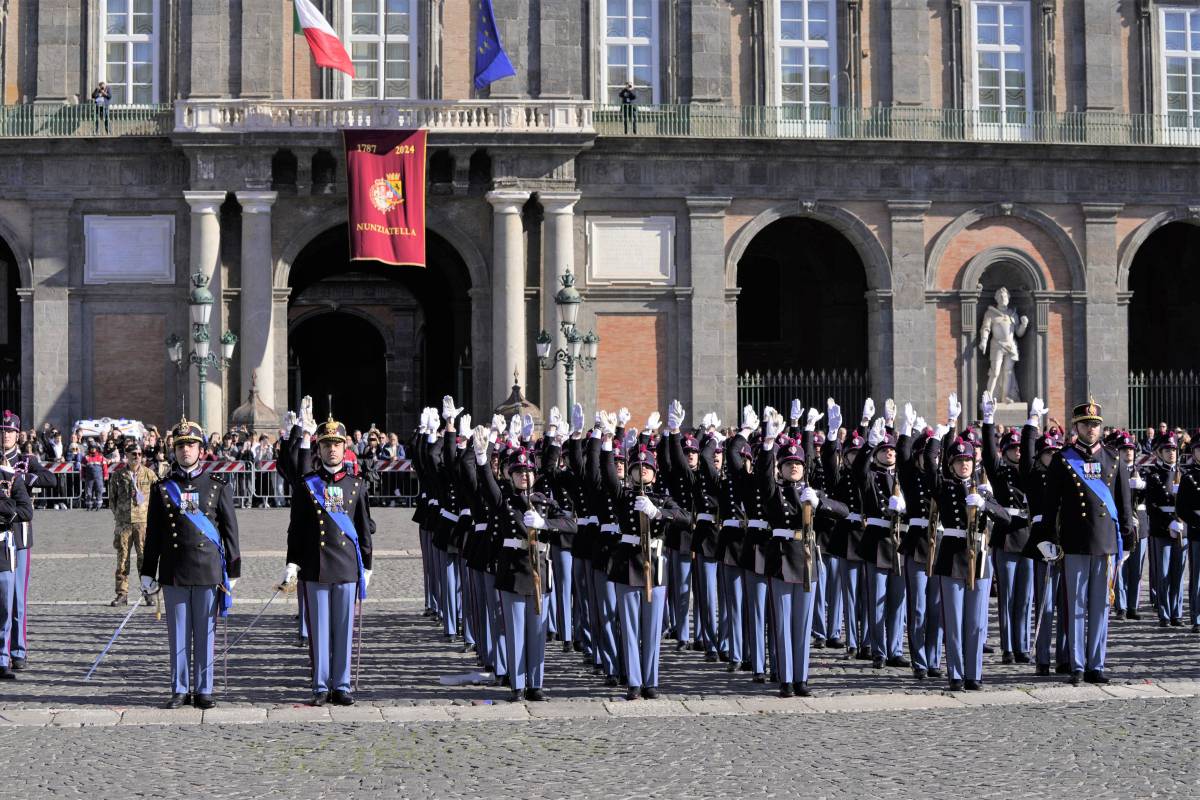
(1092, 475)
(205, 526)
(322, 497)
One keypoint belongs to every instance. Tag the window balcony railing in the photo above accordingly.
(51, 120)
(703, 121)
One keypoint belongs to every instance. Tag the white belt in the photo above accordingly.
(758, 523)
(588, 521)
(466, 512)
(877, 521)
(480, 527)
(918, 522)
(955, 533)
(1036, 519)
(783, 533)
(1141, 507)
(855, 517)
(629, 538)
(450, 515)
(705, 518)
(1015, 512)
(517, 544)
(1167, 509)
(610, 527)
(731, 523)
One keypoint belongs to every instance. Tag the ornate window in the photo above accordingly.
(630, 48)
(806, 43)
(1000, 32)
(129, 51)
(382, 42)
(1181, 67)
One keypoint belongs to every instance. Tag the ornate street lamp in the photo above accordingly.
(200, 304)
(580, 350)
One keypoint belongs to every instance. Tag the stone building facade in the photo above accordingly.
(814, 185)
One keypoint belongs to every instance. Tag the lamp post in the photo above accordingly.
(580, 350)
(200, 303)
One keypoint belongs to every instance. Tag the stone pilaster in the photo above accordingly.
(256, 346)
(558, 258)
(1107, 323)
(48, 336)
(205, 257)
(914, 349)
(508, 291)
(59, 41)
(713, 347)
(204, 58)
(910, 54)
(261, 53)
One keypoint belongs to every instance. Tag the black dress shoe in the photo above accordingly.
(634, 693)
(864, 653)
(577, 645)
(1131, 614)
(1075, 678)
(341, 697)
(649, 693)
(567, 647)
(919, 674)
(1062, 669)
(956, 686)
(802, 689)
(1196, 628)
(18, 663)
(972, 686)
(535, 695)
(468, 648)
(1120, 614)
(319, 699)
(1177, 623)
(1021, 658)
(204, 702)
(987, 648)
(877, 662)
(732, 666)
(933, 672)
(611, 681)
(722, 656)
(176, 701)
(1095, 676)
(816, 643)
(1162, 623)
(301, 641)
(785, 690)
(1006, 657)
(1043, 670)
(711, 658)
(682, 644)
(515, 697)
(499, 680)
(833, 644)
(758, 677)
(898, 661)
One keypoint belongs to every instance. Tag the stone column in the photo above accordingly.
(49, 335)
(204, 52)
(508, 291)
(261, 52)
(279, 327)
(1101, 54)
(256, 345)
(914, 351)
(58, 38)
(910, 54)
(558, 258)
(1107, 358)
(205, 257)
(712, 361)
(705, 33)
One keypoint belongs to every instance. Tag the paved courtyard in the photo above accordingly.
(866, 733)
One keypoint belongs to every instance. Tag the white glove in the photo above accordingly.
(149, 585)
(514, 428)
(290, 574)
(464, 423)
(643, 504)
(653, 423)
(910, 419)
(794, 412)
(675, 414)
(896, 503)
(366, 578)
(577, 417)
(622, 417)
(715, 424)
(449, 411)
(1037, 410)
(498, 424)
(810, 496)
(868, 411)
(1177, 529)
(706, 421)
(631, 439)
(876, 434)
(920, 425)
(749, 420)
(985, 489)
(814, 416)
(772, 423)
(307, 422)
(479, 441)
(941, 430)
(1137, 482)
(975, 499)
(987, 407)
(533, 519)
(833, 413)
(608, 423)
(953, 408)
(286, 423)
(553, 421)
(889, 412)
(1049, 551)
(232, 584)
(527, 427)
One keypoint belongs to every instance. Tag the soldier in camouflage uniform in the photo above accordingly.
(129, 496)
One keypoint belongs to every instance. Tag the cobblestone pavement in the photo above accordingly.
(432, 740)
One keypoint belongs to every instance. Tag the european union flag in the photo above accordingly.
(491, 62)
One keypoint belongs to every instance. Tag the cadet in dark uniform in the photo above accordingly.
(608, 534)
(15, 508)
(1129, 578)
(847, 536)
(192, 553)
(1087, 493)
(1037, 453)
(1163, 479)
(792, 555)
(923, 591)
(1187, 510)
(329, 553)
(640, 605)
(524, 519)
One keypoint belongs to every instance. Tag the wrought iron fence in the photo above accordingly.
(848, 387)
(48, 120)
(1170, 396)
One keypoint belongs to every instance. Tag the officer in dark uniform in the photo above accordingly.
(15, 508)
(1187, 510)
(294, 461)
(792, 555)
(526, 520)
(34, 474)
(1037, 453)
(1129, 578)
(1087, 494)
(923, 591)
(329, 555)
(640, 605)
(1163, 479)
(192, 554)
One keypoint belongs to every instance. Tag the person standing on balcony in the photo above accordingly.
(101, 96)
(628, 110)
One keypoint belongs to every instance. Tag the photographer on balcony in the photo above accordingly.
(101, 96)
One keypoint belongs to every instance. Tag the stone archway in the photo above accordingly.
(363, 366)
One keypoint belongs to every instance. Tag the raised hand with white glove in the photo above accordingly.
(772, 424)
(977, 500)
(953, 409)
(290, 574)
(498, 423)
(868, 412)
(464, 424)
(608, 423)
(479, 442)
(810, 496)
(308, 422)
(653, 423)
(643, 504)
(889, 412)
(675, 415)
(920, 425)
(812, 418)
(527, 427)
(623, 417)
(910, 419)
(286, 423)
(749, 421)
(897, 504)
(553, 421)
(1049, 550)
(833, 413)
(532, 519)
(987, 407)
(1037, 410)
(449, 410)
(877, 432)
(940, 431)
(794, 413)
(577, 418)
(514, 430)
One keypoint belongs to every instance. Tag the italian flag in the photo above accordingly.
(327, 48)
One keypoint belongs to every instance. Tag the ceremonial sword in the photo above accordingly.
(116, 633)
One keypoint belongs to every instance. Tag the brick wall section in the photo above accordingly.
(949, 328)
(1016, 233)
(458, 41)
(125, 382)
(631, 370)
(1060, 349)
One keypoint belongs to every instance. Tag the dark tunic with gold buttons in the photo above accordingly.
(847, 535)
(177, 553)
(953, 554)
(627, 563)
(1084, 526)
(917, 486)
(1007, 486)
(316, 543)
(876, 485)
(1161, 502)
(790, 559)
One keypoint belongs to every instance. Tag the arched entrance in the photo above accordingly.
(10, 330)
(1164, 351)
(801, 316)
(413, 322)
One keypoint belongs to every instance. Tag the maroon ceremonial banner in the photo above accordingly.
(385, 178)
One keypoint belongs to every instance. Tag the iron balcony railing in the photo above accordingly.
(49, 120)
(702, 121)
(1170, 396)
